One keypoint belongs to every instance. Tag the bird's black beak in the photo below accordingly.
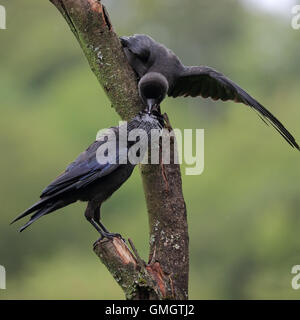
(150, 103)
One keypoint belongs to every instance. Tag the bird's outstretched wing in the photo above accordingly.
(209, 83)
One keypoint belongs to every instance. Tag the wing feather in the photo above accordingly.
(83, 171)
(209, 83)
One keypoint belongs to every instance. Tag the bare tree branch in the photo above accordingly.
(166, 274)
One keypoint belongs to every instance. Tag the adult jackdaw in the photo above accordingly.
(161, 73)
(94, 176)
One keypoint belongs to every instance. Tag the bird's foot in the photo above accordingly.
(110, 236)
(167, 122)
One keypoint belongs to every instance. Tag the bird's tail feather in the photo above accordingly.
(38, 205)
(42, 208)
(37, 215)
(48, 208)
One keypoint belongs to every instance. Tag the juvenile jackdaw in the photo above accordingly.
(95, 176)
(161, 73)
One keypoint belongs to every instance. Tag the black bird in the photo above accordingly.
(88, 179)
(161, 73)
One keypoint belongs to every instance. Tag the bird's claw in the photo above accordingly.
(119, 236)
(110, 236)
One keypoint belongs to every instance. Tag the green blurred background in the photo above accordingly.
(243, 211)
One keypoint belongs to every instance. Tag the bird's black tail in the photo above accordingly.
(37, 215)
(38, 205)
(41, 208)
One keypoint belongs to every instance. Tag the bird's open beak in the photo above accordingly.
(151, 103)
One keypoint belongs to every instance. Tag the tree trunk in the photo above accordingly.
(166, 274)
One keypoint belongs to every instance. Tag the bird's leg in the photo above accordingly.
(89, 215)
(97, 219)
(105, 232)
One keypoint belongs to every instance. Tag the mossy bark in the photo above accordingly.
(166, 275)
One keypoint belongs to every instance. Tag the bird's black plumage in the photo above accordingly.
(156, 65)
(88, 179)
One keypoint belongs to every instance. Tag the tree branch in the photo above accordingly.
(166, 274)
(138, 281)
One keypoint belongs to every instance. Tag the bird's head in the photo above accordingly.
(153, 88)
(139, 52)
